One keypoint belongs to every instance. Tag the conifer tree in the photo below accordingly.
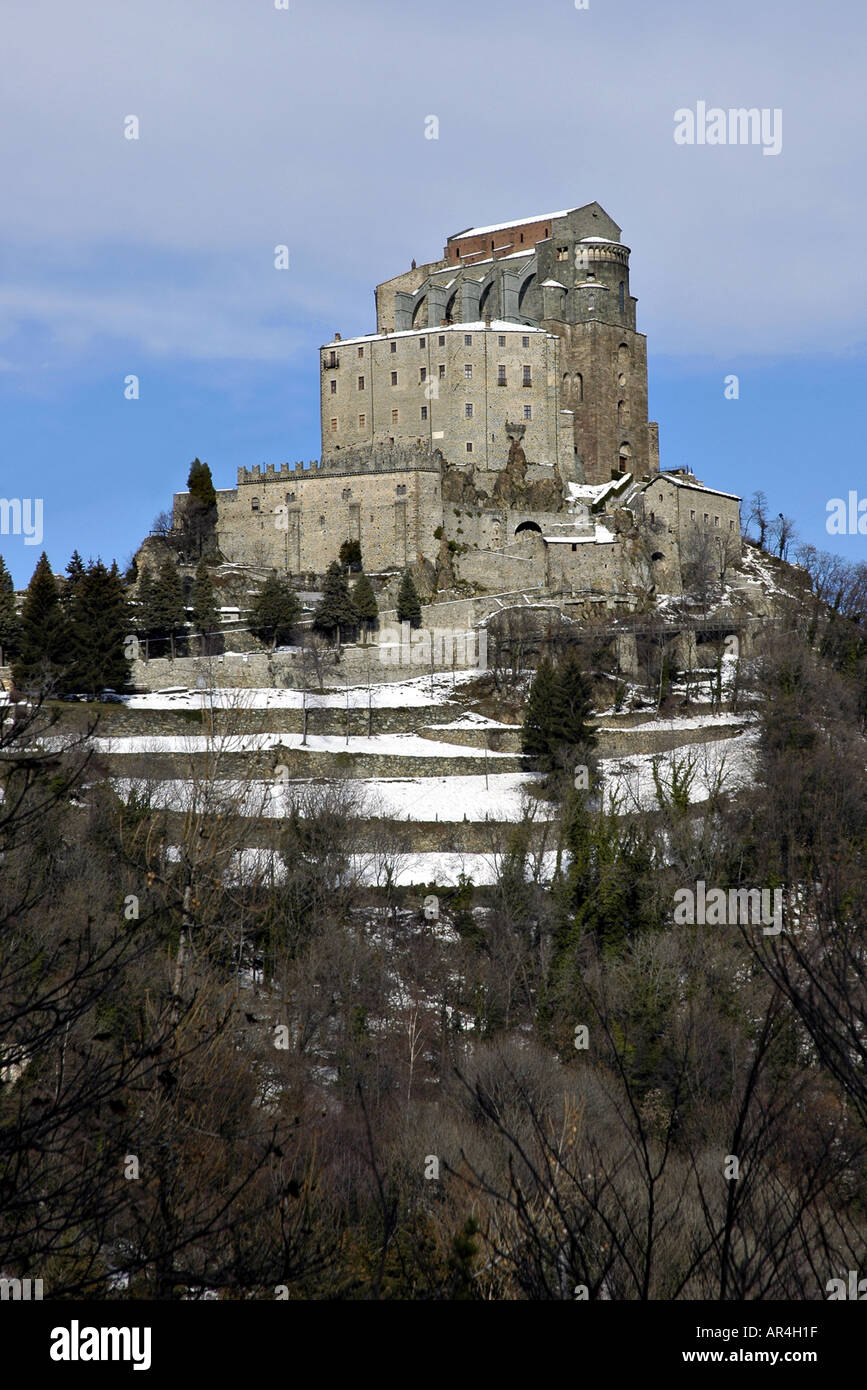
(275, 612)
(206, 619)
(100, 622)
(350, 555)
(364, 600)
(167, 605)
(535, 733)
(336, 611)
(10, 627)
(45, 653)
(408, 602)
(75, 572)
(571, 705)
(199, 518)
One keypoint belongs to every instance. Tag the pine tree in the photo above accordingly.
(10, 627)
(75, 572)
(535, 735)
(571, 705)
(275, 612)
(45, 652)
(350, 555)
(366, 606)
(100, 624)
(408, 602)
(205, 617)
(167, 606)
(336, 611)
(199, 518)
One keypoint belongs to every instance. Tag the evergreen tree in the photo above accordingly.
(535, 739)
(350, 555)
(336, 611)
(45, 651)
(408, 602)
(206, 619)
(168, 614)
(75, 572)
(571, 705)
(364, 600)
(100, 623)
(10, 627)
(199, 519)
(275, 612)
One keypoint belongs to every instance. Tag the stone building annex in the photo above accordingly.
(492, 432)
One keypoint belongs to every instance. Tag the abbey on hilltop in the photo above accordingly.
(492, 432)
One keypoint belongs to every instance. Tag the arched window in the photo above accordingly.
(620, 412)
(579, 386)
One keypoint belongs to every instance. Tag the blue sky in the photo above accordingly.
(261, 126)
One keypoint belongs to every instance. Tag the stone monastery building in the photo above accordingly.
(493, 430)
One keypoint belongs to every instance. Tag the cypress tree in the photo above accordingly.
(45, 653)
(276, 611)
(200, 509)
(408, 602)
(205, 617)
(336, 611)
(10, 627)
(167, 606)
(350, 555)
(535, 735)
(100, 623)
(366, 606)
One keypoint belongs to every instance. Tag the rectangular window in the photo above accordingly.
(468, 371)
(731, 526)
(468, 410)
(692, 516)
(424, 412)
(525, 341)
(527, 378)
(442, 340)
(334, 424)
(333, 387)
(254, 504)
(362, 421)
(394, 378)
(361, 383)
(422, 342)
(528, 412)
(395, 416)
(501, 374)
(442, 371)
(394, 346)
(562, 253)
(422, 374)
(706, 519)
(361, 352)
(501, 340)
(469, 448)
(468, 340)
(716, 521)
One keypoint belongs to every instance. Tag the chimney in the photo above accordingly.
(487, 320)
(337, 337)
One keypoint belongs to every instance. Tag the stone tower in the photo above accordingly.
(568, 274)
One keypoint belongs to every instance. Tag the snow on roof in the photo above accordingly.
(601, 536)
(604, 240)
(555, 284)
(528, 253)
(596, 492)
(476, 326)
(695, 485)
(504, 226)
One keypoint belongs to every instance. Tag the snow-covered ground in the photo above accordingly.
(411, 799)
(722, 765)
(417, 693)
(441, 867)
(395, 745)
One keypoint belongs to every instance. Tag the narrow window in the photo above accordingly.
(423, 374)
(395, 416)
(394, 378)
(333, 387)
(361, 352)
(362, 421)
(525, 341)
(394, 347)
(424, 412)
(254, 504)
(622, 297)
(528, 412)
(501, 374)
(361, 383)
(501, 340)
(442, 340)
(526, 375)
(468, 371)
(468, 340)
(422, 342)
(469, 448)
(334, 424)
(442, 370)
(468, 410)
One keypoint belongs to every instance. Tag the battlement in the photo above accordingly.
(378, 458)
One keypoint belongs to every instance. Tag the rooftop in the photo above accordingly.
(518, 222)
(476, 326)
